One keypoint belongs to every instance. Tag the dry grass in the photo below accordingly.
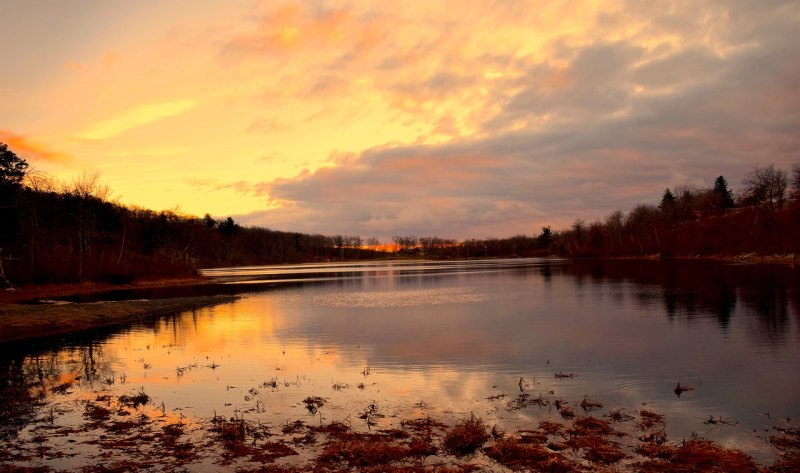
(362, 450)
(700, 455)
(516, 453)
(466, 436)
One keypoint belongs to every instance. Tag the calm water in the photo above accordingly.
(445, 338)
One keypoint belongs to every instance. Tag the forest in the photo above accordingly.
(55, 232)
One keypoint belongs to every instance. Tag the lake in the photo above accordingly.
(445, 339)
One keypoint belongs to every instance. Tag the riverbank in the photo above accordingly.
(745, 258)
(30, 321)
(34, 292)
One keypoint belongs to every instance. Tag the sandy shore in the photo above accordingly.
(28, 321)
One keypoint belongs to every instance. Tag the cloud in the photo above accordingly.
(135, 117)
(32, 149)
(243, 188)
(594, 127)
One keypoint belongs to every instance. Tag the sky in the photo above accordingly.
(461, 119)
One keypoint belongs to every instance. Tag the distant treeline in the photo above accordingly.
(60, 233)
(764, 218)
(64, 233)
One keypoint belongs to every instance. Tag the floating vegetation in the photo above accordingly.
(564, 409)
(617, 415)
(720, 420)
(680, 389)
(96, 413)
(313, 404)
(270, 383)
(371, 414)
(588, 405)
(562, 375)
(134, 400)
(524, 400)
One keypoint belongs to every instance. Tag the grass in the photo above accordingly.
(466, 436)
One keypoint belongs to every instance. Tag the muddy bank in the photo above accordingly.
(28, 321)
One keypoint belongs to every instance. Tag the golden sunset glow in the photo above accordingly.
(375, 118)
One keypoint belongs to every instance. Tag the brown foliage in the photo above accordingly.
(466, 436)
(516, 454)
(699, 455)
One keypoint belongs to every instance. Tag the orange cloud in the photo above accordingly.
(28, 148)
(292, 27)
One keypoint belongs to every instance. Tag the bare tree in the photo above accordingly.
(766, 186)
(373, 243)
(88, 185)
(795, 193)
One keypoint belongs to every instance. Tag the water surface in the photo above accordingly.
(447, 339)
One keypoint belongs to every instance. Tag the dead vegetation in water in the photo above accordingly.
(466, 436)
(698, 455)
(788, 440)
(134, 400)
(589, 405)
(516, 453)
(313, 404)
(562, 375)
(400, 450)
(426, 445)
(618, 415)
(564, 410)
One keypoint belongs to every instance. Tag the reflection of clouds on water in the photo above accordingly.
(405, 298)
(629, 330)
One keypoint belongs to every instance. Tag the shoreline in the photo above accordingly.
(34, 292)
(23, 322)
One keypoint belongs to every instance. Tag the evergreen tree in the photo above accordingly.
(12, 170)
(723, 193)
(545, 236)
(667, 201)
